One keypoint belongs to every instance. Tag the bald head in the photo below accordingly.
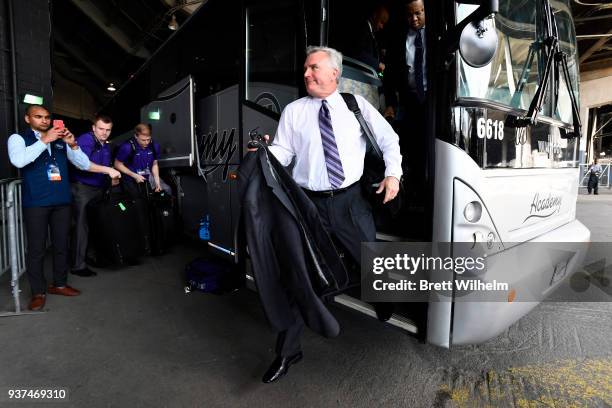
(38, 118)
(31, 108)
(379, 18)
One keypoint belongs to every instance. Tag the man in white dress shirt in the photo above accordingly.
(324, 140)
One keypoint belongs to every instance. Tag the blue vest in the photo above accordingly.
(37, 189)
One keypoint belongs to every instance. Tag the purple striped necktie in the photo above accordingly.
(330, 149)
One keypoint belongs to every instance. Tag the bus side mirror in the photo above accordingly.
(478, 43)
(475, 36)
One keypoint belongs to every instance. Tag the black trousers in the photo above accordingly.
(37, 221)
(412, 136)
(348, 218)
(593, 184)
(82, 195)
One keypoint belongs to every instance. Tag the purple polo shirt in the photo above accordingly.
(141, 160)
(98, 153)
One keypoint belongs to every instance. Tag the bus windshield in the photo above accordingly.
(517, 68)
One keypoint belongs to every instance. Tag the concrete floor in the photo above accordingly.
(135, 339)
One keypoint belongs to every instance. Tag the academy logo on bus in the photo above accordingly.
(544, 207)
(216, 151)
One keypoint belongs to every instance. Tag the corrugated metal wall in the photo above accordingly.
(32, 22)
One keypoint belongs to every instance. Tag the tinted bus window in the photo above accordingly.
(272, 36)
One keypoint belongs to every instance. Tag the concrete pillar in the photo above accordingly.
(595, 91)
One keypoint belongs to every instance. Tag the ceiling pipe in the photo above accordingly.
(591, 36)
(114, 32)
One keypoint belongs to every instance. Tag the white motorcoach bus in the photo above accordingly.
(502, 137)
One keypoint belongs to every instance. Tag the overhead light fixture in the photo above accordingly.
(33, 99)
(111, 87)
(173, 24)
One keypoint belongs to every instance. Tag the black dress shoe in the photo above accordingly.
(384, 310)
(96, 262)
(280, 366)
(83, 272)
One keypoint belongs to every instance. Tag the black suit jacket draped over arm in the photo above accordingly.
(293, 257)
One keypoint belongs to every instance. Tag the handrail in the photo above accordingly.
(16, 239)
(5, 263)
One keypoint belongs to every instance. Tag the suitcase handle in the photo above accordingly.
(109, 191)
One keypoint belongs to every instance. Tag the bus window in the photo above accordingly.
(513, 75)
(271, 53)
(361, 44)
(540, 146)
(511, 79)
(567, 41)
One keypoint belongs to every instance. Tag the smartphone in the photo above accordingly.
(58, 123)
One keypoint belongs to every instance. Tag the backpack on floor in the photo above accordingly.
(210, 275)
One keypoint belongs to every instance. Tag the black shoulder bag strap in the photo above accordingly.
(351, 102)
(133, 151)
(130, 158)
(374, 151)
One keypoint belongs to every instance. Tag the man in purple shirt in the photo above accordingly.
(137, 158)
(87, 186)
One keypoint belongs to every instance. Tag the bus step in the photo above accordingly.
(381, 236)
(362, 307)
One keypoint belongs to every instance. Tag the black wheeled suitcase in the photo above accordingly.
(161, 222)
(115, 229)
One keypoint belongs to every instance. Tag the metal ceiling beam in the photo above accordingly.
(601, 64)
(596, 47)
(580, 20)
(114, 32)
(188, 6)
(117, 6)
(74, 53)
(169, 3)
(94, 89)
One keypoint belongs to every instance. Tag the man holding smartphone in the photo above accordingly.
(42, 153)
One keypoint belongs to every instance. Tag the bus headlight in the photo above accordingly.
(472, 223)
(473, 211)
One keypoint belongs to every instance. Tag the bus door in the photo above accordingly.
(273, 35)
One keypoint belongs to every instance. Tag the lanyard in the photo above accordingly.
(52, 154)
